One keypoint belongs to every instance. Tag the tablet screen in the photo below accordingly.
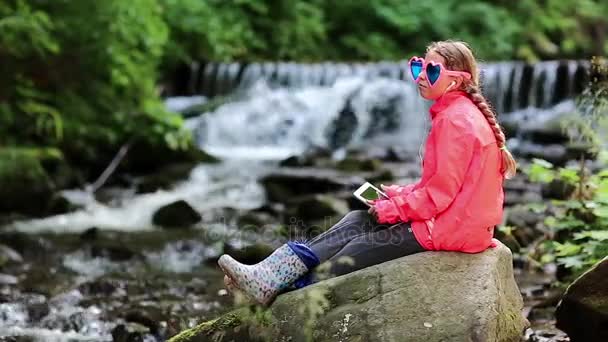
(370, 194)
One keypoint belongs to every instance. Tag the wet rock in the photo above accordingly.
(90, 234)
(583, 310)
(165, 178)
(473, 297)
(58, 205)
(113, 251)
(256, 221)
(312, 157)
(525, 222)
(145, 159)
(548, 334)
(9, 256)
(176, 215)
(74, 322)
(37, 311)
(29, 246)
(553, 153)
(550, 131)
(25, 186)
(18, 338)
(390, 154)
(557, 189)
(558, 154)
(130, 332)
(317, 207)
(287, 184)
(99, 287)
(7, 279)
(353, 164)
(111, 195)
(143, 319)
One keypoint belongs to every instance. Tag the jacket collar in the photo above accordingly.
(445, 101)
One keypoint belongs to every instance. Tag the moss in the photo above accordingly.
(25, 184)
(227, 321)
(351, 164)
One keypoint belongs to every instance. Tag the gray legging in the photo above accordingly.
(363, 241)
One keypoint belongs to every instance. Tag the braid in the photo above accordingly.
(458, 56)
(509, 165)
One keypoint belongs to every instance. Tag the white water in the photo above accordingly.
(229, 184)
(276, 123)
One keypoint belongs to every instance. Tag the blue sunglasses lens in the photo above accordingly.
(432, 73)
(416, 69)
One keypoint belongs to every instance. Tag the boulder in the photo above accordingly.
(165, 178)
(354, 164)
(282, 186)
(431, 296)
(25, 186)
(131, 332)
(176, 215)
(318, 207)
(557, 189)
(583, 311)
(9, 256)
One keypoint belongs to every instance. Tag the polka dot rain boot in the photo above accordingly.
(263, 281)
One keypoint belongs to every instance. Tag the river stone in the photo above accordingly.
(165, 178)
(131, 332)
(354, 164)
(282, 186)
(176, 215)
(9, 255)
(431, 296)
(583, 310)
(319, 207)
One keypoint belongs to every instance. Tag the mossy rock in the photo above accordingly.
(144, 158)
(583, 310)
(178, 214)
(25, 185)
(352, 164)
(430, 297)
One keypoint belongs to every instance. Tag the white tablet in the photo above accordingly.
(368, 192)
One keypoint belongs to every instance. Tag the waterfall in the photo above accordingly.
(285, 108)
(509, 85)
(278, 122)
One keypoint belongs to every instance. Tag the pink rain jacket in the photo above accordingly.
(459, 198)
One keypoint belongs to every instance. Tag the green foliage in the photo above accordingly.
(313, 30)
(579, 226)
(222, 30)
(81, 75)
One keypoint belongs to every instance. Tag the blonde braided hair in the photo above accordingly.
(459, 57)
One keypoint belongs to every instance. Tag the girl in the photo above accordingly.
(454, 206)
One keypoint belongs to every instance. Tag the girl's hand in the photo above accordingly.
(372, 210)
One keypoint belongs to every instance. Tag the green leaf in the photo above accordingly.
(599, 235)
(572, 261)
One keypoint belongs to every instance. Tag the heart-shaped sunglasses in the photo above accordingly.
(434, 71)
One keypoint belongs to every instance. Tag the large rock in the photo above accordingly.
(282, 186)
(165, 178)
(432, 296)
(583, 311)
(25, 186)
(176, 215)
(318, 207)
